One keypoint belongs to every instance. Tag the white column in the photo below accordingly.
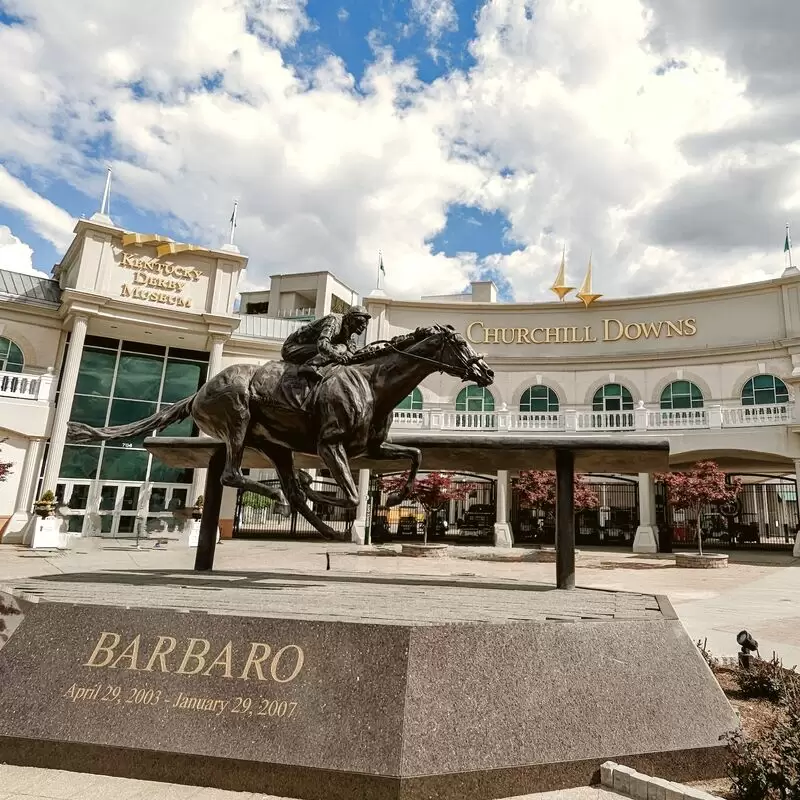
(30, 471)
(796, 549)
(646, 540)
(502, 527)
(215, 356)
(359, 530)
(69, 378)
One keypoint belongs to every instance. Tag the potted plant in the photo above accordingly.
(45, 506)
(197, 508)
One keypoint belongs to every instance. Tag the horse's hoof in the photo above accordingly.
(283, 509)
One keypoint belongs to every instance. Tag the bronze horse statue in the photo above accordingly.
(348, 413)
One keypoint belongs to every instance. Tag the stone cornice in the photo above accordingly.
(610, 305)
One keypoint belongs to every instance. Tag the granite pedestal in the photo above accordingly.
(318, 686)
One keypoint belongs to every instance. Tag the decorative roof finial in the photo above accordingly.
(559, 286)
(585, 293)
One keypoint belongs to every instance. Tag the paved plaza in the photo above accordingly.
(759, 591)
(27, 783)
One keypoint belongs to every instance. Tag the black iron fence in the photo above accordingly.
(612, 522)
(256, 517)
(764, 516)
(469, 521)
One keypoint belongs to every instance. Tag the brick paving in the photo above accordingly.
(400, 600)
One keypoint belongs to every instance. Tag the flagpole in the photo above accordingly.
(789, 244)
(380, 263)
(233, 220)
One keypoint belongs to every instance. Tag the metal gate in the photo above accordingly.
(255, 516)
(613, 522)
(764, 516)
(469, 521)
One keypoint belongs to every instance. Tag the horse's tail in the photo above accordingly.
(78, 432)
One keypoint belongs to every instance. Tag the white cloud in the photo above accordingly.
(15, 255)
(47, 219)
(437, 16)
(343, 15)
(567, 123)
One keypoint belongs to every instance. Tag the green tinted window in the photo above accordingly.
(138, 376)
(182, 379)
(96, 372)
(764, 390)
(411, 403)
(184, 428)
(161, 473)
(538, 399)
(124, 464)
(11, 359)
(681, 394)
(79, 461)
(124, 412)
(475, 398)
(90, 410)
(612, 397)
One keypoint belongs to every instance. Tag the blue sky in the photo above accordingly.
(463, 139)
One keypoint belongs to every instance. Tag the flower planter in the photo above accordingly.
(424, 550)
(705, 561)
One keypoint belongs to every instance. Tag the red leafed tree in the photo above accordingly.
(702, 485)
(537, 490)
(5, 469)
(431, 492)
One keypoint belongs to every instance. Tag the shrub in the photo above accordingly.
(768, 767)
(766, 679)
(712, 662)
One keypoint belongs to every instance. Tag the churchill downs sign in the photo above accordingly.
(611, 330)
(158, 281)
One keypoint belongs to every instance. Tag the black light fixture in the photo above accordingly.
(749, 646)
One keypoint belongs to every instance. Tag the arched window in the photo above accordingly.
(764, 390)
(11, 358)
(538, 399)
(681, 394)
(475, 398)
(411, 403)
(612, 397)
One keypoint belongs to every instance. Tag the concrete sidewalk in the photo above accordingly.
(759, 591)
(29, 783)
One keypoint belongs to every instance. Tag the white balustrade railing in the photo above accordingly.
(25, 386)
(641, 419)
(533, 421)
(680, 419)
(606, 420)
(750, 416)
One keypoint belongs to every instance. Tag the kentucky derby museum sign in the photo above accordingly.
(611, 330)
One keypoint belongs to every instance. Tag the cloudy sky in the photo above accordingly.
(464, 139)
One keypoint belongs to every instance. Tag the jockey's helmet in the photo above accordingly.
(358, 311)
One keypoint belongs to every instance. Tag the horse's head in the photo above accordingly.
(457, 357)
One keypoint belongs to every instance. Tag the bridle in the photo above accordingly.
(463, 367)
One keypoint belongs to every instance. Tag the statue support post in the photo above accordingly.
(209, 522)
(565, 519)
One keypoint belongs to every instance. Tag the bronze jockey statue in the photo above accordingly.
(328, 340)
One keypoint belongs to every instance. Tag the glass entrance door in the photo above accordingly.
(115, 509)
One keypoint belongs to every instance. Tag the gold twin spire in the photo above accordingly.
(585, 293)
(559, 285)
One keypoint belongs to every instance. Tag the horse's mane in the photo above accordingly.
(401, 342)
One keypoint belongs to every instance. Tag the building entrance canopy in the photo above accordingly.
(476, 453)
(465, 452)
